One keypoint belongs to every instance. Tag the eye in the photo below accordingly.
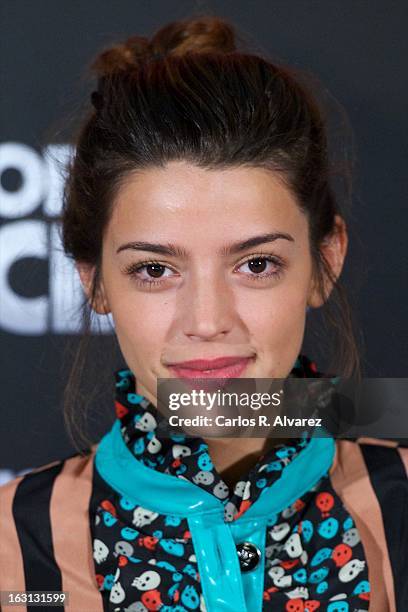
(148, 273)
(261, 267)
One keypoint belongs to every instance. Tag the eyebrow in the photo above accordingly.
(174, 250)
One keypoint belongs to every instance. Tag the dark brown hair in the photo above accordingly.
(189, 93)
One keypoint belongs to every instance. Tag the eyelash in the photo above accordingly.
(134, 268)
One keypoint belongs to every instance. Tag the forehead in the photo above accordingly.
(184, 200)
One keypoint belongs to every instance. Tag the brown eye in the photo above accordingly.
(155, 270)
(257, 265)
(262, 267)
(149, 273)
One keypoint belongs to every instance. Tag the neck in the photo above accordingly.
(233, 457)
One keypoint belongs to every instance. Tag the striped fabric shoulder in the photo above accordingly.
(370, 476)
(45, 532)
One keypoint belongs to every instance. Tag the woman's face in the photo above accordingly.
(210, 292)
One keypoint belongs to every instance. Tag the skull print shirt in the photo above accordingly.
(143, 522)
(144, 560)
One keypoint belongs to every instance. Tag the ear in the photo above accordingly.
(86, 273)
(334, 249)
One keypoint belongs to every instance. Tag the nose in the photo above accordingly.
(208, 307)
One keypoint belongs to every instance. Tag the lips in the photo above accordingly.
(222, 367)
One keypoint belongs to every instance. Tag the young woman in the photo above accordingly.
(199, 213)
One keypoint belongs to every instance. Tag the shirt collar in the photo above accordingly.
(143, 429)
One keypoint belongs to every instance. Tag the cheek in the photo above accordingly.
(271, 314)
(275, 323)
(141, 324)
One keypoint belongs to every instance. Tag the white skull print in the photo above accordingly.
(142, 516)
(117, 594)
(278, 532)
(147, 581)
(279, 578)
(202, 477)
(154, 445)
(221, 490)
(180, 450)
(293, 546)
(146, 423)
(351, 570)
(123, 548)
(351, 537)
(100, 551)
(230, 510)
(298, 593)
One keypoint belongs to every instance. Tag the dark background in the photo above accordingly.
(357, 49)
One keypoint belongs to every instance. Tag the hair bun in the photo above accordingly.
(199, 34)
(121, 57)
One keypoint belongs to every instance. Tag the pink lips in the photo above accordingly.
(222, 367)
